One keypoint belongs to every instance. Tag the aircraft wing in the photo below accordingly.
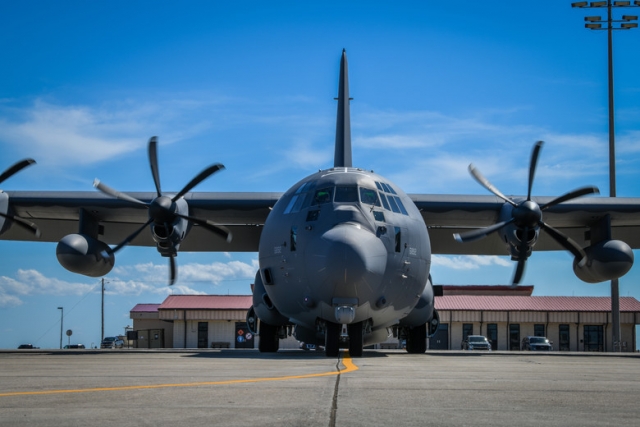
(58, 213)
(445, 215)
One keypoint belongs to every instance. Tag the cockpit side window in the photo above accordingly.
(346, 194)
(369, 197)
(322, 196)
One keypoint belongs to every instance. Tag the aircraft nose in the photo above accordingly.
(349, 258)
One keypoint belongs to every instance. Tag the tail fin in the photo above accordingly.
(342, 156)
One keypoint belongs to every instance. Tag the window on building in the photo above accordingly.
(593, 338)
(492, 335)
(467, 329)
(514, 336)
(563, 338)
(203, 334)
(538, 330)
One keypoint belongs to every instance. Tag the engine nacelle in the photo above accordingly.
(85, 255)
(263, 306)
(606, 260)
(423, 312)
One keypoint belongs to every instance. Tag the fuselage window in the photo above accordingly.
(292, 202)
(394, 205)
(379, 186)
(391, 190)
(385, 187)
(369, 197)
(322, 196)
(383, 198)
(294, 238)
(378, 216)
(401, 206)
(346, 194)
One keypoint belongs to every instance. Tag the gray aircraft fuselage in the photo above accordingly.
(345, 245)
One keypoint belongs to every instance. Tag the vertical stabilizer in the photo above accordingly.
(342, 156)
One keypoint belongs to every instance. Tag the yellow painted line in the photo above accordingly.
(348, 364)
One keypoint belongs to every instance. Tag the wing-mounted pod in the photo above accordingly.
(520, 220)
(169, 218)
(606, 259)
(84, 253)
(7, 218)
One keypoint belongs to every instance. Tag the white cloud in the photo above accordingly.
(469, 262)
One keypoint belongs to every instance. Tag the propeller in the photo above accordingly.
(527, 217)
(163, 210)
(17, 167)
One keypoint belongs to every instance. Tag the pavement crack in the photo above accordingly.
(334, 401)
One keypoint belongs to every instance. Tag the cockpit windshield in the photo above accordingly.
(346, 194)
(369, 196)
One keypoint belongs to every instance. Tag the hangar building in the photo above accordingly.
(502, 314)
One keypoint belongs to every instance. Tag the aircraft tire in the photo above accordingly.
(269, 341)
(332, 339)
(356, 342)
(416, 339)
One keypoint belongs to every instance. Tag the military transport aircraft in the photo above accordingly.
(343, 246)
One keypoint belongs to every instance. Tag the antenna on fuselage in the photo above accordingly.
(342, 156)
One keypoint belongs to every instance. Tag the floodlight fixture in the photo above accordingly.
(630, 17)
(628, 26)
(593, 18)
(598, 4)
(593, 26)
(622, 3)
(581, 4)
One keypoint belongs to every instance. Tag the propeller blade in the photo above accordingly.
(16, 168)
(130, 237)
(115, 193)
(486, 184)
(220, 230)
(517, 276)
(480, 233)
(153, 162)
(522, 258)
(566, 242)
(532, 166)
(198, 179)
(571, 195)
(173, 270)
(27, 225)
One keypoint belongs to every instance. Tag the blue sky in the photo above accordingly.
(436, 86)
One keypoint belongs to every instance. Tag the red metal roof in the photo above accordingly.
(522, 290)
(525, 303)
(207, 302)
(145, 308)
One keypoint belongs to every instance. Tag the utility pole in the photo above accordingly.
(102, 323)
(61, 321)
(626, 23)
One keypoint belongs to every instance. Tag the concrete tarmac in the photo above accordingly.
(297, 388)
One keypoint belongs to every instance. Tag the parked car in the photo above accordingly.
(72, 346)
(27, 347)
(112, 342)
(536, 344)
(476, 342)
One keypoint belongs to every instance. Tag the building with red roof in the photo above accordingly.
(504, 314)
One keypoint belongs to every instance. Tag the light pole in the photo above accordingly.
(596, 23)
(61, 319)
